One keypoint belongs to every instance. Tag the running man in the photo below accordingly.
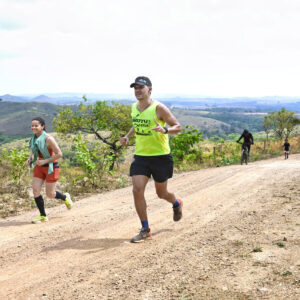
(286, 147)
(248, 140)
(152, 152)
(44, 152)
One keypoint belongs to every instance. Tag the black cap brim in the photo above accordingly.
(139, 83)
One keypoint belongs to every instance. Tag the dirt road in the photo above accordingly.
(239, 239)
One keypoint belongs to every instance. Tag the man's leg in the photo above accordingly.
(249, 146)
(139, 183)
(163, 193)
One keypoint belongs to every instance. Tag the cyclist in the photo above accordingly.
(248, 140)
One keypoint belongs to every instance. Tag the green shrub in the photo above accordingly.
(15, 160)
(183, 146)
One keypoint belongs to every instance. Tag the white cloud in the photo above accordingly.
(200, 47)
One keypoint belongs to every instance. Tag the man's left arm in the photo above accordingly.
(164, 114)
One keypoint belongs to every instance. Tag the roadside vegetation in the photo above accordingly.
(94, 160)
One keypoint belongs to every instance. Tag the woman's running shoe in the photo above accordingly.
(68, 201)
(40, 219)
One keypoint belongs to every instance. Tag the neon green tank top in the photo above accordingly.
(148, 141)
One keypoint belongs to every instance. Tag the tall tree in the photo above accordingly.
(268, 125)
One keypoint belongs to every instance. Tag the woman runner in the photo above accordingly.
(44, 153)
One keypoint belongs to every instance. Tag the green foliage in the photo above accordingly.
(280, 244)
(257, 249)
(233, 136)
(95, 160)
(85, 157)
(286, 273)
(282, 122)
(238, 120)
(107, 122)
(15, 160)
(182, 145)
(268, 125)
(226, 153)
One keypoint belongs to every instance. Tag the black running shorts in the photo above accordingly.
(160, 167)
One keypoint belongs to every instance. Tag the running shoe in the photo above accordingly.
(144, 234)
(40, 219)
(177, 211)
(68, 201)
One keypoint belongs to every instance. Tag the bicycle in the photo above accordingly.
(245, 154)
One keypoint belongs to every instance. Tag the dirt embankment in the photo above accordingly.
(239, 239)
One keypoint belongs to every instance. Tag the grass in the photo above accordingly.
(261, 264)
(286, 273)
(237, 243)
(280, 244)
(257, 249)
(229, 152)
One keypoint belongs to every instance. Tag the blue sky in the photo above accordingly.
(211, 47)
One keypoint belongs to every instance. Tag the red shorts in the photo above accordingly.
(42, 172)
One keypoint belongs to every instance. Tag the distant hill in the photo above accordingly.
(62, 99)
(183, 101)
(12, 98)
(42, 98)
(220, 121)
(199, 120)
(15, 117)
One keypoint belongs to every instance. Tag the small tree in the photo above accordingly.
(107, 122)
(283, 122)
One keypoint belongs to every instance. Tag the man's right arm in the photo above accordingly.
(239, 139)
(124, 140)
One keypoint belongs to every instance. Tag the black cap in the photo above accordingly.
(142, 80)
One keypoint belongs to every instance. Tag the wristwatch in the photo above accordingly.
(166, 130)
